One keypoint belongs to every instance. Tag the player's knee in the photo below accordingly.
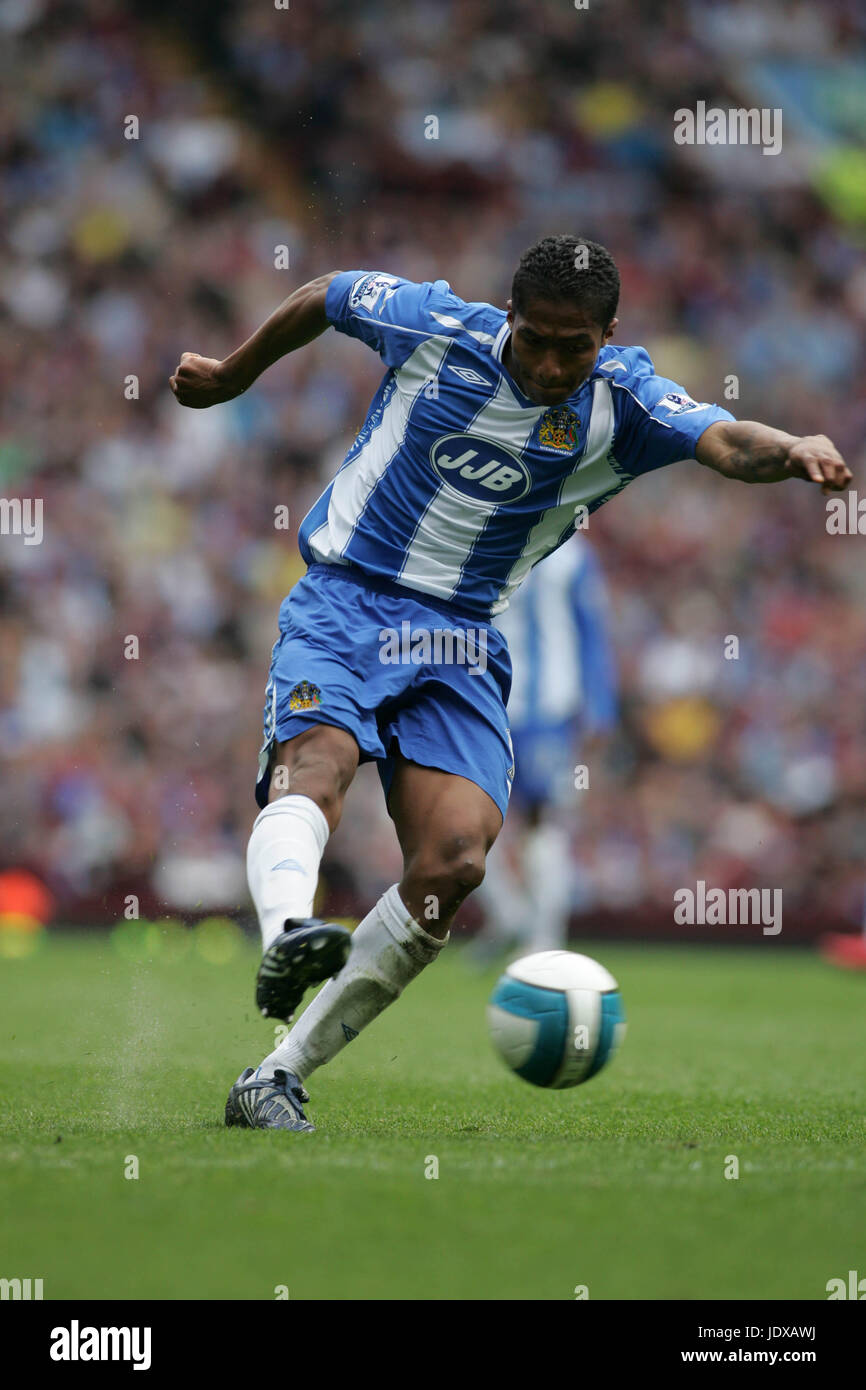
(466, 868)
(451, 865)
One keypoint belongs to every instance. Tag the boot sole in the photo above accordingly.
(297, 961)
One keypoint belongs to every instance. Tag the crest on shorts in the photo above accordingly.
(304, 696)
(557, 429)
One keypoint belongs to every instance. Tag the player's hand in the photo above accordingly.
(202, 381)
(816, 458)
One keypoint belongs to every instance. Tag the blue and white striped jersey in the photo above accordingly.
(557, 627)
(457, 483)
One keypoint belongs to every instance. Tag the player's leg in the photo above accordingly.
(547, 872)
(445, 824)
(309, 777)
(543, 760)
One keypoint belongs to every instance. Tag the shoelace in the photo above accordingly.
(279, 1083)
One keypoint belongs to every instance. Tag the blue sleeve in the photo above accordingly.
(389, 314)
(599, 695)
(657, 421)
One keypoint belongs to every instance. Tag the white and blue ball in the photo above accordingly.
(556, 1018)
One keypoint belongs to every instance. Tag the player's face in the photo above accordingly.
(553, 348)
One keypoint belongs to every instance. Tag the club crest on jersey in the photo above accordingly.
(557, 429)
(304, 696)
(480, 469)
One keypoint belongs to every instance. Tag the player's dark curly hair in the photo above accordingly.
(552, 269)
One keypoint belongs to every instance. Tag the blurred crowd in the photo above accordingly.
(166, 181)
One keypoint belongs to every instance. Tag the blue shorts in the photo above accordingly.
(544, 757)
(398, 670)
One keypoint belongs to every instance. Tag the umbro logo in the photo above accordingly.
(474, 378)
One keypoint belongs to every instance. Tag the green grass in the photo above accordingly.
(618, 1185)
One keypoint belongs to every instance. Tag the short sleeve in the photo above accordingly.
(657, 421)
(391, 315)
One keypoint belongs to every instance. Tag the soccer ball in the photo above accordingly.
(555, 1018)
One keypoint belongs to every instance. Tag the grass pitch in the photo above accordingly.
(618, 1185)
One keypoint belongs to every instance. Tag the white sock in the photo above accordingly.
(389, 949)
(283, 856)
(548, 875)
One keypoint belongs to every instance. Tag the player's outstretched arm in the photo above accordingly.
(202, 381)
(755, 453)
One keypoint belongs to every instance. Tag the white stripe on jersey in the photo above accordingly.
(593, 478)
(449, 321)
(443, 542)
(450, 524)
(354, 484)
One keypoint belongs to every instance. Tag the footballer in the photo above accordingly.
(489, 434)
